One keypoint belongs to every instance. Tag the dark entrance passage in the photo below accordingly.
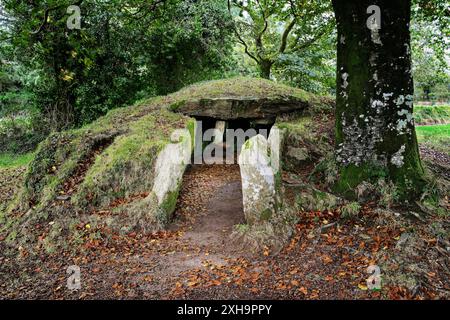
(229, 138)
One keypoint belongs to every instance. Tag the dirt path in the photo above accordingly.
(223, 212)
(209, 206)
(196, 259)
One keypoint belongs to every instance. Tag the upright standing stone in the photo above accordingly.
(258, 180)
(220, 126)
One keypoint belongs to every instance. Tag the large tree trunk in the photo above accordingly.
(375, 135)
(265, 67)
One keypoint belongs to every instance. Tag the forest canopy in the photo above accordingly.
(53, 77)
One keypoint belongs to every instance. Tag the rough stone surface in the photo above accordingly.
(220, 126)
(297, 155)
(170, 166)
(276, 140)
(258, 181)
(238, 108)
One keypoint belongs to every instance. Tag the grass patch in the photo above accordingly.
(424, 115)
(436, 137)
(15, 160)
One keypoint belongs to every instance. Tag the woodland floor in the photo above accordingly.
(196, 258)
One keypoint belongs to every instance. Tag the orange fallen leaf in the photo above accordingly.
(327, 259)
(294, 271)
(362, 287)
(303, 290)
(328, 278)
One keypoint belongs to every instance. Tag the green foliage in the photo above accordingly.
(269, 29)
(8, 160)
(430, 28)
(434, 13)
(431, 70)
(20, 134)
(124, 51)
(350, 210)
(312, 69)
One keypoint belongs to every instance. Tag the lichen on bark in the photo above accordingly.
(375, 135)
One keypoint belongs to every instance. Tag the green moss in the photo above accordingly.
(247, 145)
(126, 166)
(240, 87)
(15, 160)
(242, 228)
(191, 125)
(176, 105)
(352, 175)
(266, 215)
(408, 179)
(170, 202)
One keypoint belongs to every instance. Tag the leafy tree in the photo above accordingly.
(268, 29)
(435, 14)
(313, 69)
(125, 50)
(430, 63)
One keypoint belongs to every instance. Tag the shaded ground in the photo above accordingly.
(438, 162)
(326, 259)
(10, 181)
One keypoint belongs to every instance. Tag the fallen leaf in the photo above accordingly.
(303, 290)
(362, 287)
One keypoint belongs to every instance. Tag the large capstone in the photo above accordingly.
(241, 107)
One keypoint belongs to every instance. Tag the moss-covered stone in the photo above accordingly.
(308, 140)
(78, 173)
(311, 199)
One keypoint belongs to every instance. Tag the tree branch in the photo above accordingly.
(286, 35)
(306, 44)
(236, 31)
(47, 12)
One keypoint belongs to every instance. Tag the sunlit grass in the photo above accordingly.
(13, 160)
(436, 137)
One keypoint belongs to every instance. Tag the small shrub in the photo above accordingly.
(350, 210)
(389, 193)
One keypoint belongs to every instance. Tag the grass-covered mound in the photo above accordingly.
(104, 173)
(101, 167)
(241, 87)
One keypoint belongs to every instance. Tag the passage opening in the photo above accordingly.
(233, 134)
